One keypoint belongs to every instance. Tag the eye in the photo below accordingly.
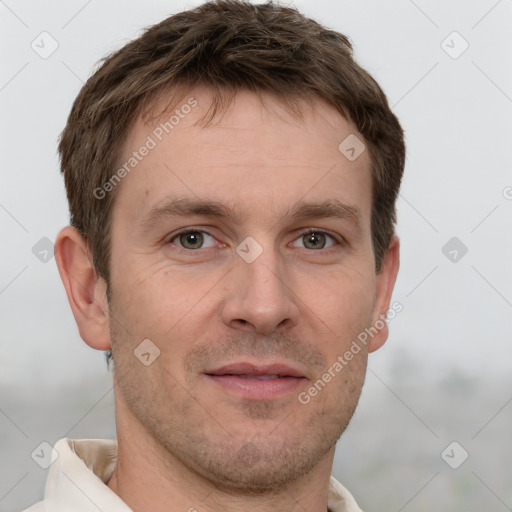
(196, 239)
(193, 239)
(316, 240)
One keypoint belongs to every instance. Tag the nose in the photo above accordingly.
(259, 296)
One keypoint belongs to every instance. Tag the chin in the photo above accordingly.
(258, 466)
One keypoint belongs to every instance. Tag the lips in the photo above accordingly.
(256, 382)
(261, 377)
(255, 371)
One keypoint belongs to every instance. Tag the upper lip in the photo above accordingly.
(245, 368)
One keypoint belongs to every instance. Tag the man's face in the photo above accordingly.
(229, 313)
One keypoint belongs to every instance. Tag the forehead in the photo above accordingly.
(256, 150)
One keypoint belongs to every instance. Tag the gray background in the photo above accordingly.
(443, 375)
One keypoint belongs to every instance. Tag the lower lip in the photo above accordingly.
(257, 389)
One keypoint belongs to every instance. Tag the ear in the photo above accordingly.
(386, 279)
(86, 291)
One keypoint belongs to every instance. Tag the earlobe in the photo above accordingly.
(386, 279)
(85, 290)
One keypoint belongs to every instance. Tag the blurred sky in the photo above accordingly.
(457, 114)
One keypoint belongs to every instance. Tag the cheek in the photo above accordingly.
(163, 305)
(144, 293)
(342, 299)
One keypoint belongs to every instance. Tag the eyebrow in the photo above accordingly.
(186, 207)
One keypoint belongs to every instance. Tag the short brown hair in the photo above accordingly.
(225, 45)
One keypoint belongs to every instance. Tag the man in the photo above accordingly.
(232, 177)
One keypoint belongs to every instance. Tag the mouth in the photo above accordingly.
(256, 382)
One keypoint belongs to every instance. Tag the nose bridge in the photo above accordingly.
(265, 279)
(258, 293)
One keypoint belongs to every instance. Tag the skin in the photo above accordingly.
(185, 441)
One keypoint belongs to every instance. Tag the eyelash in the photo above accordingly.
(305, 232)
